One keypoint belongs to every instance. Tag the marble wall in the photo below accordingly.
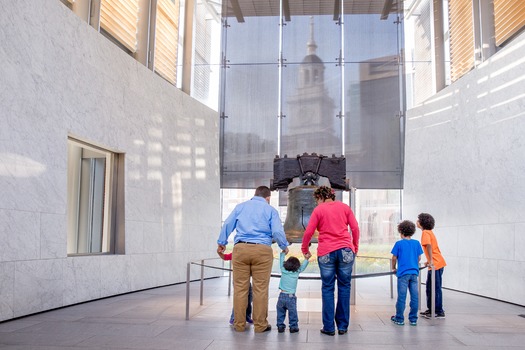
(58, 78)
(465, 164)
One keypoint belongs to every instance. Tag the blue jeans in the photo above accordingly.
(439, 294)
(248, 308)
(336, 265)
(287, 302)
(403, 283)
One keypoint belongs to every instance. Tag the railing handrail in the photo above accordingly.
(202, 265)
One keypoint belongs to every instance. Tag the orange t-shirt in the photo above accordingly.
(428, 237)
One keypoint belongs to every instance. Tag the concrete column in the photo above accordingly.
(189, 13)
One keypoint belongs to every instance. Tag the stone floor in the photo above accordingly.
(155, 319)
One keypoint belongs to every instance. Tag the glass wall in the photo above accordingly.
(374, 101)
(249, 94)
(298, 80)
(378, 212)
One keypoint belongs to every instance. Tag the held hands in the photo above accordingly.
(286, 251)
(307, 255)
(220, 249)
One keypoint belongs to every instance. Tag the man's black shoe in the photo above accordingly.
(269, 328)
(327, 333)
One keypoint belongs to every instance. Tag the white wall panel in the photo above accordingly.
(465, 160)
(61, 77)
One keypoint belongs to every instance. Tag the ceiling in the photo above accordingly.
(253, 8)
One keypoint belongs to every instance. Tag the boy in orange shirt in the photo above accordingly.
(434, 258)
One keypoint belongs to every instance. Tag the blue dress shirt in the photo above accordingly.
(256, 222)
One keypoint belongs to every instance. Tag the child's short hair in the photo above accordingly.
(426, 221)
(292, 264)
(407, 228)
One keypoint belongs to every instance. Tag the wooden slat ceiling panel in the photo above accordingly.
(251, 8)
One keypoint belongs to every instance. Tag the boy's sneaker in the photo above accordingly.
(413, 323)
(440, 315)
(425, 313)
(399, 323)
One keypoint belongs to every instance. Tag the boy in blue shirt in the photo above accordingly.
(406, 254)
(290, 270)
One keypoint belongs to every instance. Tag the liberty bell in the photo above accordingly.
(300, 177)
(301, 203)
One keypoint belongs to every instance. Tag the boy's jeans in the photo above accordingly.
(248, 308)
(439, 293)
(287, 302)
(403, 283)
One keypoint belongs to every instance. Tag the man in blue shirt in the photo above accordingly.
(257, 224)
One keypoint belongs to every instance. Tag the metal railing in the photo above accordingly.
(354, 276)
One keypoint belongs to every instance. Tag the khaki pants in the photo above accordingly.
(253, 260)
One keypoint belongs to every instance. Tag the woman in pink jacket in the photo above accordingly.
(336, 251)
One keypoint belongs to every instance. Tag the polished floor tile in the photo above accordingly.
(155, 319)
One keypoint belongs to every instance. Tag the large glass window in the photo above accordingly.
(206, 53)
(166, 39)
(374, 101)
(93, 183)
(509, 18)
(119, 18)
(378, 213)
(249, 94)
(311, 86)
(300, 79)
(461, 37)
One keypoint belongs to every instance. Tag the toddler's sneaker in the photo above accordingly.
(231, 321)
(399, 323)
(249, 320)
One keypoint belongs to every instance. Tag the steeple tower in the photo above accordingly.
(311, 46)
(309, 127)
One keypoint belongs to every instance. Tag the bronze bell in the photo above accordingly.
(301, 203)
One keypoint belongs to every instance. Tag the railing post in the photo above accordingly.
(230, 279)
(202, 282)
(353, 284)
(188, 292)
(419, 291)
(433, 295)
(391, 286)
